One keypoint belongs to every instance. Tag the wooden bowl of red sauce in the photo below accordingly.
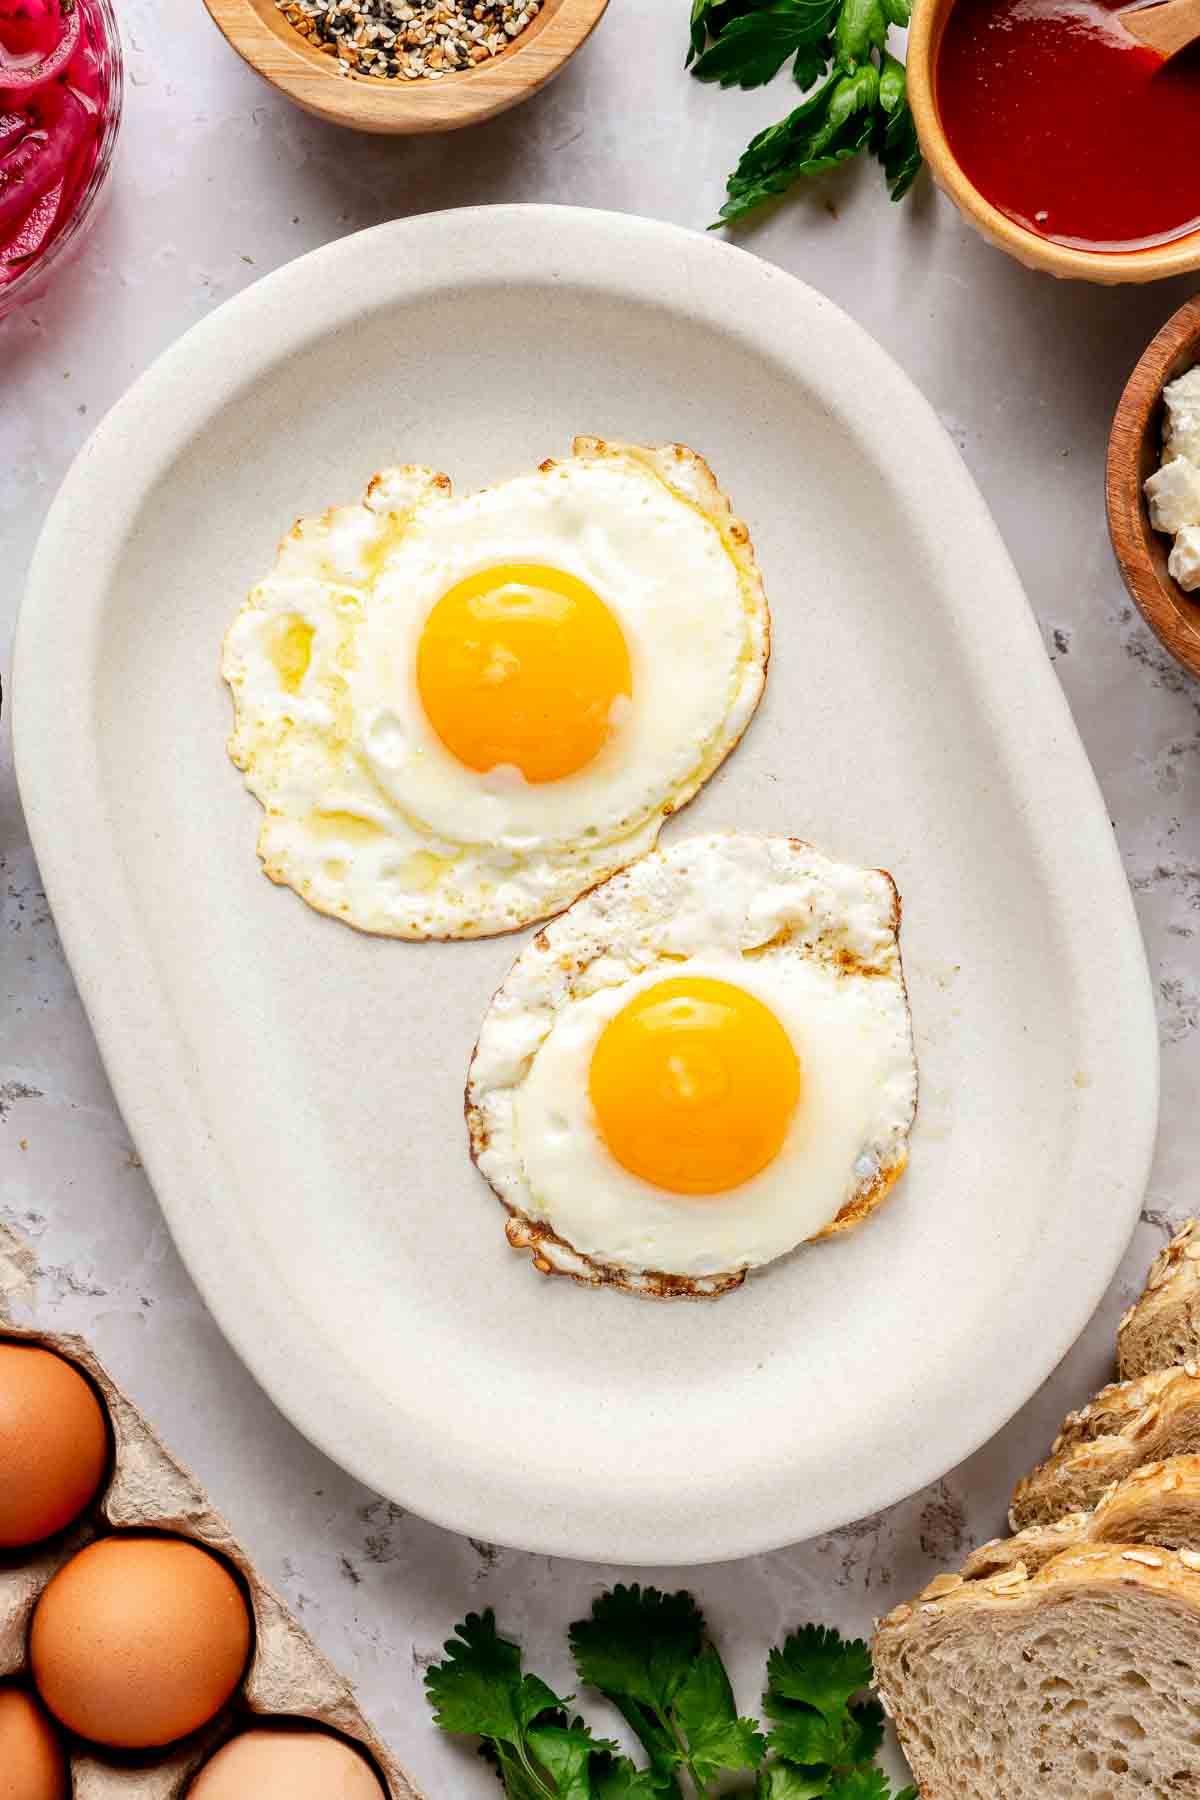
(1061, 138)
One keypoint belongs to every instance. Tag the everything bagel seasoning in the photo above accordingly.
(409, 39)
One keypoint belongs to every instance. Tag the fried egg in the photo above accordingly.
(460, 713)
(702, 1064)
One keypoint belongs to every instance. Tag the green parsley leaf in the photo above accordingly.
(566, 1752)
(812, 61)
(803, 1735)
(657, 1740)
(647, 1654)
(860, 1784)
(518, 1783)
(619, 1779)
(861, 28)
(864, 1733)
(650, 1655)
(893, 85)
(480, 1690)
(710, 17)
(752, 49)
(783, 1781)
(895, 141)
(638, 1648)
(819, 1667)
(717, 1739)
(639, 1644)
(698, 28)
(828, 128)
(862, 105)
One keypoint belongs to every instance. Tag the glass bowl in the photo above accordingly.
(63, 246)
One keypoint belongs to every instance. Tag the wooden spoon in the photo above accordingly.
(1167, 27)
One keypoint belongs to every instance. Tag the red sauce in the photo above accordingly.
(1068, 125)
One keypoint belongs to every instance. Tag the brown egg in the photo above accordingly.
(53, 1444)
(288, 1763)
(139, 1640)
(32, 1763)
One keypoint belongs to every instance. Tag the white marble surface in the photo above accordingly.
(218, 181)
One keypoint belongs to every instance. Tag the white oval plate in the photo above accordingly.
(295, 1089)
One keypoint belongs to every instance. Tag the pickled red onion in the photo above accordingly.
(34, 233)
(29, 70)
(13, 125)
(40, 160)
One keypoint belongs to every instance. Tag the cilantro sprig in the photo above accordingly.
(824, 1726)
(856, 90)
(538, 1752)
(650, 1656)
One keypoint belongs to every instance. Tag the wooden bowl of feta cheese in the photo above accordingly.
(1154, 485)
(406, 66)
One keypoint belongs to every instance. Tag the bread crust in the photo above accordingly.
(1127, 1425)
(1163, 1327)
(1157, 1504)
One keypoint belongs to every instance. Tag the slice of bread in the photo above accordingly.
(1081, 1682)
(1164, 1327)
(1126, 1425)
(1110, 1411)
(1158, 1504)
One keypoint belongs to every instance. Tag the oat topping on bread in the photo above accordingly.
(1129, 1424)
(1157, 1504)
(1164, 1327)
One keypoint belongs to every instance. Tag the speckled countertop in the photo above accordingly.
(219, 181)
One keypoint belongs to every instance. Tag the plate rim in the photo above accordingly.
(118, 987)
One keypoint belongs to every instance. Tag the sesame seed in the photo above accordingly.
(409, 39)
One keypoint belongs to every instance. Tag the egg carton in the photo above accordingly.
(148, 1489)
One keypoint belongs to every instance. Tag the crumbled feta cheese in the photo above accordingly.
(1184, 563)
(1174, 495)
(1173, 491)
(1181, 432)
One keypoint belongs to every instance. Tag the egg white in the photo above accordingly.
(814, 940)
(367, 814)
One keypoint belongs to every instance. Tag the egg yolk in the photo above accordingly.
(522, 666)
(694, 1085)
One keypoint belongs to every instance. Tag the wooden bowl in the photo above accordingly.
(1107, 267)
(259, 32)
(1134, 452)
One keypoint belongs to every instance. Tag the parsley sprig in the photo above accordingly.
(647, 1653)
(857, 91)
(650, 1656)
(537, 1750)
